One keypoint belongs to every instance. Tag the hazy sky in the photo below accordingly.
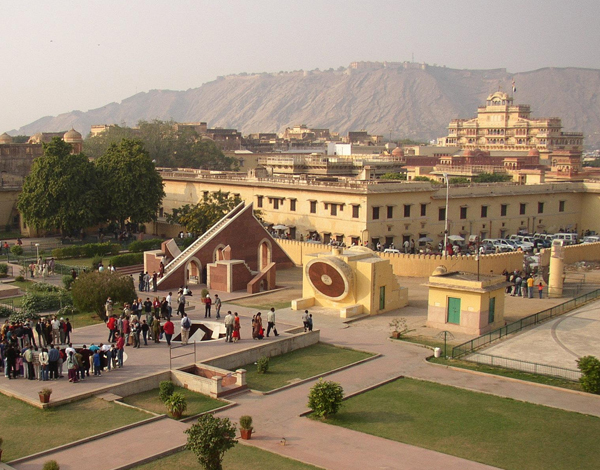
(58, 56)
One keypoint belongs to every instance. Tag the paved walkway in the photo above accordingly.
(277, 415)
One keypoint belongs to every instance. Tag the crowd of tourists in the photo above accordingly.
(523, 284)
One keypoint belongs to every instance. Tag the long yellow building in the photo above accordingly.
(354, 212)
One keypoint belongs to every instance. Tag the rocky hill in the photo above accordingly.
(412, 100)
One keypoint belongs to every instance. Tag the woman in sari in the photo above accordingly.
(236, 328)
(156, 330)
(257, 329)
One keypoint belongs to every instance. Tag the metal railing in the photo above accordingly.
(525, 322)
(525, 366)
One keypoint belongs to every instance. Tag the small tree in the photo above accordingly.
(90, 291)
(209, 439)
(590, 374)
(325, 398)
(16, 250)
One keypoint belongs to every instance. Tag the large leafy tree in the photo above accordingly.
(61, 191)
(200, 217)
(169, 147)
(132, 188)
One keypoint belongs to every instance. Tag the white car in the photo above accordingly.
(591, 239)
(391, 250)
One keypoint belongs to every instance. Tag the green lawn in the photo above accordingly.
(515, 374)
(301, 364)
(85, 319)
(27, 430)
(197, 403)
(241, 457)
(497, 431)
(431, 342)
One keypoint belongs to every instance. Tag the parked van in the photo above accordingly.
(568, 238)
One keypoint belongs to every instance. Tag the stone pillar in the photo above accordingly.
(217, 386)
(556, 280)
(240, 377)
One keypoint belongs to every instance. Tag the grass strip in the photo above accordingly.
(27, 430)
(497, 431)
(241, 457)
(197, 403)
(301, 364)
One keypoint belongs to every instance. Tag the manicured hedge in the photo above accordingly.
(145, 245)
(86, 251)
(128, 259)
(40, 301)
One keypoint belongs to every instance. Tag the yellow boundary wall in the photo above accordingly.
(575, 253)
(420, 265)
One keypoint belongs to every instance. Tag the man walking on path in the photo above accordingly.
(229, 319)
(186, 324)
(271, 322)
(168, 329)
(218, 305)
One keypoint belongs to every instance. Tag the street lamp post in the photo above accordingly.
(446, 222)
(37, 252)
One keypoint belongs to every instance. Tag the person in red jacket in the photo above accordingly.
(111, 324)
(168, 329)
(120, 347)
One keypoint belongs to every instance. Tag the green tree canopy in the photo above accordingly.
(394, 176)
(169, 147)
(200, 217)
(459, 180)
(132, 188)
(492, 178)
(61, 191)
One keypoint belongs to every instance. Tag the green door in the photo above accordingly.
(492, 311)
(453, 310)
(381, 297)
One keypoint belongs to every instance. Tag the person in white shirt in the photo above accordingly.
(271, 322)
(229, 319)
(186, 324)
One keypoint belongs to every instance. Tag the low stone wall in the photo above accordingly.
(420, 265)
(211, 382)
(285, 344)
(140, 385)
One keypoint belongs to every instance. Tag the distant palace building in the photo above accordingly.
(501, 125)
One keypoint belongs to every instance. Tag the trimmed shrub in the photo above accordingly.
(165, 390)
(6, 311)
(86, 251)
(209, 439)
(590, 374)
(325, 398)
(3, 268)
(145, 245)
(128, 259)
(262, 365)
(90, 291)
(51, 465)
(22, 316)
(67, 281)
(188, 241)
(16, 250)
(43, 287)
(40, 301)
(19, 279)
(96, 260)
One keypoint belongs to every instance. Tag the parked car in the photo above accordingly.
(391, 250)
(516, 244)
(502, 245)
(591, 239)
